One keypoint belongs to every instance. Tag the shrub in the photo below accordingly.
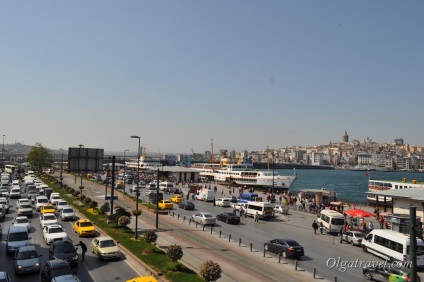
(87, 200)
(174, 252)
(150, 236)
(83, 197)
(76, 193)
(210, 271)
(136, 212)
(124, 220)
(93, 204)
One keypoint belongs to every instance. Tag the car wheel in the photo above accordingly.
(364, 248)
(368, 275)
(284, 254)
(227, 221)
(351, 241)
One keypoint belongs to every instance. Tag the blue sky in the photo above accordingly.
(177, 73)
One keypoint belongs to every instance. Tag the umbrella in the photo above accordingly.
(359, 213)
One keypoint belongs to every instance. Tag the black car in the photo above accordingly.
(228, 217)
(387, 273)
(55, 268)
(64, 250)
(285, 247)
(234, 199)
(187, 205)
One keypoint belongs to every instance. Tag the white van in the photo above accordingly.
(166, 186)
(332, 221)
(40, 201)
(392, 245)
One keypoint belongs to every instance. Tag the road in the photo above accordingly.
(92, 269)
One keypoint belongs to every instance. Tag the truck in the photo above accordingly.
(207, 195)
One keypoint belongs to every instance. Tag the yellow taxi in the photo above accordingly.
(165, 205)
(47, 209)
(143, 279)
(84, 228)
(177, 199)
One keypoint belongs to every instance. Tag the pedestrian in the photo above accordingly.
(257, 217)
(315, 226)
(187, 197)
(381, 222)
(280, 198)
(321, 227)
(83, 249)
(341, 235)
(370, 226)
(234, 210)
(241, 212)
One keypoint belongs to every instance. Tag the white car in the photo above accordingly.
(42, 187)
(21, 201)
(54, 232)
(67, 213)
(25, 209)
(105, 247)
(22, 221)
(223, 202)
(15, 193)
(60, 204)
(278, 209)
(54, 199)
(47, 219)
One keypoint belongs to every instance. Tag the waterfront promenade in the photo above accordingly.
(237, 263)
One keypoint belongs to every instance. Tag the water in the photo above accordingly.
(349, 185)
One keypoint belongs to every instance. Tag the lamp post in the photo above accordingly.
(2, 151)
(79, 171)
(61, 169)
(126, 150)
(138, 181)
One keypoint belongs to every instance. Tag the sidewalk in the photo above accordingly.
(237, 263)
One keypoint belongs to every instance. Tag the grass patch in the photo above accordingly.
(149, 254)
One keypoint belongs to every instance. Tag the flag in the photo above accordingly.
(366, 173)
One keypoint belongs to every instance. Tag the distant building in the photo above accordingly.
(345, 138)
(399, 141)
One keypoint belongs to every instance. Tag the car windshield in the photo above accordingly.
(292, 243)
(359, 235)
(65, 248)
(86, 224)
(27, 255)
(107, 243)
(22, 220)
(49, 217)
(61, 270)
(19, 236)
(42, 201)
(68, 210)
(55, 229)
(207, 215)
(26, 206)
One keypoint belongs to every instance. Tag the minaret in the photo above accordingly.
(345, 138)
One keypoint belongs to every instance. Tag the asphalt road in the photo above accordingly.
(92, 269)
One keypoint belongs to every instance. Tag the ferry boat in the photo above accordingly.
(145, 163)
(383, 185)
(244, 174)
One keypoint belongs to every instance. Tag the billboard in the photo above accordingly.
(85, 159)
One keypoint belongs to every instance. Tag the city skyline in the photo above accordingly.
(247, 74)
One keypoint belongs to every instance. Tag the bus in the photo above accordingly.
(248, 196)
(9, 168)
(265, 210)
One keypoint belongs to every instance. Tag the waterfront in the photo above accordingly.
(349, 185)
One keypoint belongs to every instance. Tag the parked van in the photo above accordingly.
(17, 237)
(392, 245)
(332, 221)
(166, 186)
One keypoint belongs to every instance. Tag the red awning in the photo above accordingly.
(358, 213)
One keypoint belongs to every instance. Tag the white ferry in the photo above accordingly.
(145, 163)
(244, 174)
(207, 170)
(382, 185)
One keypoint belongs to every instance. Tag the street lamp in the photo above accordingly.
(61, 170)
(126, 150)
(2, 151)
(138, 181)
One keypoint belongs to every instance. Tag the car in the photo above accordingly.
(228, 217)
(105, 248)
(17, 236)
(47, 209)
(40, 201)
(204, 218)
(47, 219)
(54, 232)
(177, 198)
(165, 204)
(5, 202)
(64, 250)
(60, 204)
(67, 213)
(187, 205)
(54, 198)
(22, 221)
(54, 268)
(4, 192)
(383, 272)
(66, 278)
(278, 209)
(21, 201)
(32, 194)
(238, 205)
(27, 260)
(84, 228)
(134, 188)
(4, 277)
(2, 212)
(233, 199)
(353, 237)
(15, 193)
(223, 202)
(25, 209)
(285, 247)
(41, 188)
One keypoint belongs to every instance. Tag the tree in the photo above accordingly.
(210, 271)
(174, 252)
(150, 236)
(124, 220)
(39, 157)
(119, 211)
